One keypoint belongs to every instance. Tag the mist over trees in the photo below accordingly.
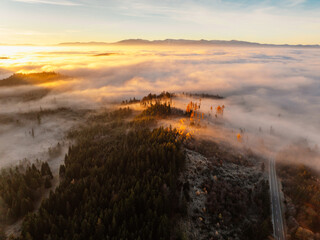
(30, 78)
(114, 185)
(20, 189)
(120, 180)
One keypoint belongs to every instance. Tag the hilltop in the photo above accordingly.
(30, 78)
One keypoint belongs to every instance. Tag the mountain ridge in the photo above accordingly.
(188, 42)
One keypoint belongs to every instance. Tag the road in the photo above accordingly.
(277, 220)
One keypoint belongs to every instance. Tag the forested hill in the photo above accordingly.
(115, 184)
(31, 78)
(126, 178)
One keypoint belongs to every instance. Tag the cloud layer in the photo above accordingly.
(265, 88)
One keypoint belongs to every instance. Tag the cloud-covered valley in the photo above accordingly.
(265, 88)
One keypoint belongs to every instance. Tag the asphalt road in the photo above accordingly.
(277, 220)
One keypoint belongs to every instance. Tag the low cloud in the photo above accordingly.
(265, 88)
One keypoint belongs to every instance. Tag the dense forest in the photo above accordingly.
(157, 109)
(301, 186)
(115, 184)
(121, 179)
(151, 97)
(20, 188)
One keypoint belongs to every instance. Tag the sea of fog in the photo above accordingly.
(271, 94)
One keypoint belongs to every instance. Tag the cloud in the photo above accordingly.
(264, 87)
(293, 3)
(51, 2)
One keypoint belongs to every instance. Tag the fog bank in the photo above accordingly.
(269, 91)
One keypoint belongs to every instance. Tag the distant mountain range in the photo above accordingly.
(173, 42)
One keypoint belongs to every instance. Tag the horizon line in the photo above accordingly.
(174, 40)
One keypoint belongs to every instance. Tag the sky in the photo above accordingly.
(265, 21)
